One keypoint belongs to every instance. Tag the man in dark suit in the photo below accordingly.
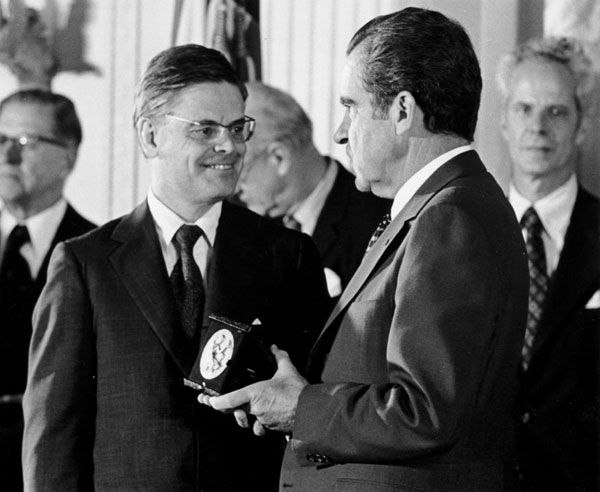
(547, 86)
(412, 380)
(118, 324)
(39, 137)
(285, 176)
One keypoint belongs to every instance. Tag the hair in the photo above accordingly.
(425, 53)
(66, 122)
(175, 69)
(279, 117)
(567, 52)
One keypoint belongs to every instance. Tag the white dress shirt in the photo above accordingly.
(308, 211)
(168, 222)
(554, 211)
(410, 188)
(42, 228)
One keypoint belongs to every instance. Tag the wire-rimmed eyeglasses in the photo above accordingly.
(28, 141)
(208, 131)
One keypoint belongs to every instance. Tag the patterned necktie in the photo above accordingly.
(538, 279)
(385, 221)
(15, 275)
(186, 281)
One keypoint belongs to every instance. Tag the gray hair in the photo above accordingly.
(566, 51)
(279, 116)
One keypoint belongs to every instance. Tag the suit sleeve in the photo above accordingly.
(59, 402)
(445, 285)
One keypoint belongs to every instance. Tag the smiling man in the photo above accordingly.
(547, 86)
(118, 324)
(412, 381)
(40, 134)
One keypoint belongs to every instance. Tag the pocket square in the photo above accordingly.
(594, 302)
(334, 283)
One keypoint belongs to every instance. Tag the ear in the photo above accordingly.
(503, 123)
(403, 112)
(279, 157)
(71, 151)
(582, 130)
(146, 132)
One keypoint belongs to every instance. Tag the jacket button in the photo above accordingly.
(526, 417)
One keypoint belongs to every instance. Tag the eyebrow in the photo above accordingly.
(346, 101)
(213, 122)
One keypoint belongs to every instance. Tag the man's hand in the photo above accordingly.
(273, 402)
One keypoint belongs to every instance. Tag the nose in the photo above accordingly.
(12, 153)
(225, 144)
(341, 134)
(538, 122)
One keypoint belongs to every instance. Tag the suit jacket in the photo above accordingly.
(14, 343)
(415, 371)
(558, 408)
(15, 320)
(105, 406)
(345, 225)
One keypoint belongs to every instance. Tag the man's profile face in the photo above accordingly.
(541, 124)
(372, 145)
(188, 168)
(29, 174)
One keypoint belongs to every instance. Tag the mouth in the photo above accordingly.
(220, 166)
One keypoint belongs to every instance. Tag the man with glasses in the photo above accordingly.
(39, 137)
(118, 325)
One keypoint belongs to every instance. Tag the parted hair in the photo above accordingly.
(565, 51)
(175, 69)
(429, 55)
(66, 122)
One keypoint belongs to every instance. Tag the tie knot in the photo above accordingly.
(17, 237)
(531, 221)
(186, 236)
(291, 223)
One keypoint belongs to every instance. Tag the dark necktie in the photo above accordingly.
(15, 275)
(186, 280)
(538, 279)
(382, 226)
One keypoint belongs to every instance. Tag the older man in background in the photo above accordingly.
(547, 86)
(285, 176)
(119, 323)
(40, 134)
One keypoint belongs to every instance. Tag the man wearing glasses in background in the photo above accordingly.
(118, 324)
(39, 137)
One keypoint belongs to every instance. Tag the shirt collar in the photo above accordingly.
(309, 209)
(169, 222)
(554, 210)
(41, 227)
(410, 188)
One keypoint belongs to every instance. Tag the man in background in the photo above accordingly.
(285, 176)
(119, 323)
(411, 383)
(547, 86)
(40, 134)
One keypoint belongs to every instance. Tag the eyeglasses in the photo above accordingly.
(28, 141)
(208, 131)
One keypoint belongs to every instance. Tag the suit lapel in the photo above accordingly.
(139, 263)
(577, 274)
(233, 284)
(392, 237)
(327, 230)
(71, 225)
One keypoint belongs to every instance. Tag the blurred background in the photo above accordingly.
(96, 50)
